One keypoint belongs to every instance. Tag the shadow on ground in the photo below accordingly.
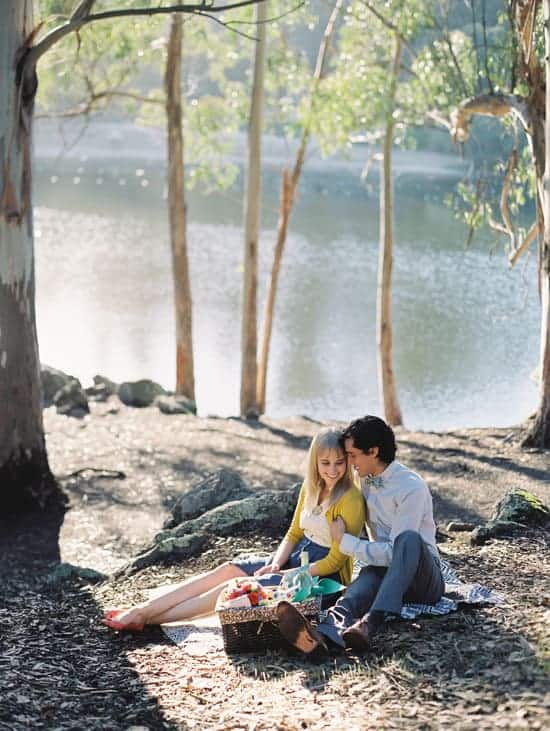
(60, 668)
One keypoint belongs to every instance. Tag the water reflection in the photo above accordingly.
(466, 329)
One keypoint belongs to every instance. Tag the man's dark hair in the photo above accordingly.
(371, 431)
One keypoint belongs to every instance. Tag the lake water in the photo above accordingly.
(466, 332)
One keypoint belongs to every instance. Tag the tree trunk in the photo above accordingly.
(388, 392)
(185, 379)
(288, 196)
(25, 477)
(539, 433)
(248, 406)
(285, 208)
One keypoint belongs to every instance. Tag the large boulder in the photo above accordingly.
(71, 399)
(139, 393)
(220, 487)
(262, 512)
(52, 381)
(517, 510)
(266, 511)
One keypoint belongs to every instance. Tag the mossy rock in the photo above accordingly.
(517, 510)
(521, 506)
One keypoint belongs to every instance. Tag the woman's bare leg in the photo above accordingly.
(176, 595)
(191, 608)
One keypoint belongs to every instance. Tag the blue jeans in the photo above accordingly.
(413, 576)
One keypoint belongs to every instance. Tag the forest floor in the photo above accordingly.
(60, 668)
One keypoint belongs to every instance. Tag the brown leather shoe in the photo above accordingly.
(357, 637)
(297, 629)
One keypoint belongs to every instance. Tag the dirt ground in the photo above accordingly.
(482, 668)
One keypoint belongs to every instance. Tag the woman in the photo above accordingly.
(328, 492)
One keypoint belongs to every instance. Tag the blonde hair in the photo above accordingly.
(328, 439)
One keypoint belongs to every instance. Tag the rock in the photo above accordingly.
(65, 571)
(517, 509)
(176, 405)
(457, 526)
(522, 507)
(71, 399)
(139, 393)
(101, 390)
(494, 529)
(174, 548)
(220, 487)
(52, 381)
(266, 512)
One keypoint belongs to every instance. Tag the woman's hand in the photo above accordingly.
(271, 568)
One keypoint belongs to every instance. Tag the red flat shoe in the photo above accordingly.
(110, 621)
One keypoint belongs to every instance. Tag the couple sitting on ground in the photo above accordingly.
(402, 561)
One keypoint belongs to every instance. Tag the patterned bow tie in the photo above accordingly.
(375, 482)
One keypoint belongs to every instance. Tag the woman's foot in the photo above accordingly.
(131, 620)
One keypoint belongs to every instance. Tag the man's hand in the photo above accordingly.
(337, 529)
(271, 568)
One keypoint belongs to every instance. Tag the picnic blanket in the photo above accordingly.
(204, 635)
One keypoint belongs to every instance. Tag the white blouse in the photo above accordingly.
(315, 525)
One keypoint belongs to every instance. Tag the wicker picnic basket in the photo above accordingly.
(257, 629)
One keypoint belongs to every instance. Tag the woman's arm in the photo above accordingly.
(279, 559)
(293, 535)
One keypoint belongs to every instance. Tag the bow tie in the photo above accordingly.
(375, 481)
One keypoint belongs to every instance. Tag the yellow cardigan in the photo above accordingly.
(351, 508)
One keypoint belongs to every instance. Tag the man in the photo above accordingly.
(401, 554)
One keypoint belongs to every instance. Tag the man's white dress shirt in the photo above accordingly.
(397, 500)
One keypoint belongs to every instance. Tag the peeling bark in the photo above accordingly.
(25, 477)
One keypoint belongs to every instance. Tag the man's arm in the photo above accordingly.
(408, 516)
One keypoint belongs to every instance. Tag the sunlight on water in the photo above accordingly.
(466, 328)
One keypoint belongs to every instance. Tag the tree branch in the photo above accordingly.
(82, 16)
(530, 236)
(87, 106)
(489, 105)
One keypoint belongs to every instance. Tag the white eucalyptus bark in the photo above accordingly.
(25, 478)
(539, 434)
(249, 340)
(388, 390)
(185, 380)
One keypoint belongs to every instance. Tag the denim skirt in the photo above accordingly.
(315, 552)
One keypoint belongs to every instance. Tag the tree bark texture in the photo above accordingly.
(539, 433)
(249, 344)
(289, 186)
(388, 390)
(185, 379)
(25, 477)
(533, 112)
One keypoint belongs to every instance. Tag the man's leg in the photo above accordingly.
(356, 601)
(414, 575)
(299, 632)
